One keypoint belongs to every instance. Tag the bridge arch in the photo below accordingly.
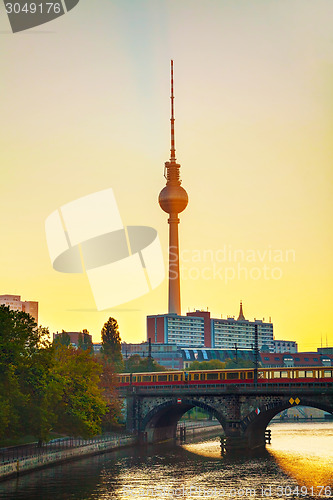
(254, 425)
(161, 422)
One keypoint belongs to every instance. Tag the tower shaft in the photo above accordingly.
(173, 199)
(174, 275)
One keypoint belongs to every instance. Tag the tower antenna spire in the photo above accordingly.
(172, 120)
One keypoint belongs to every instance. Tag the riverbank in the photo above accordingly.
(37, 460)
(13, 466)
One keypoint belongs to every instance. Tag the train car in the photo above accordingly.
(271, 376)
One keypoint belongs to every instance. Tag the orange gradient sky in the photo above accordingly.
(85, 106)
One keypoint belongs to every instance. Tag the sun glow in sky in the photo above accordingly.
(85, 106)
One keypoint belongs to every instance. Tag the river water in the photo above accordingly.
(298, 464)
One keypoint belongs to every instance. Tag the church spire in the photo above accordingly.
(241, 314)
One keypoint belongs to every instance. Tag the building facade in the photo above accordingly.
(174, 329)
(15, 303)
(198, 329)
(281, 346)
(289, 360)
(167, 355)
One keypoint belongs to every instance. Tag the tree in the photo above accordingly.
(85, 342)
(23, 358)
(62, 339)
(81, 406)
(45, 386)
(240, 363)
(108, 383)
(136, 364)
(111, 344)
(213, 364)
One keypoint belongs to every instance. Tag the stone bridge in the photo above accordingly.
(243, 413)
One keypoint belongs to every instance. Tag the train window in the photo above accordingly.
(134, 378)
(309, 374)
(301, 374)
(162, 378)
(284, 374)
(123, 379)
(222, 376)
(202, 376)
(327, 374)
(154, 378)
(262, 374)
(170, 378)
(146, 378)
(127, 379)
(276, 374)
(212, 376)
(232, 375)
(195, 376)
(138, 378)
(249, 375)
(175, 377)
(242, 375)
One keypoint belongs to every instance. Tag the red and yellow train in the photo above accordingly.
(300, 375)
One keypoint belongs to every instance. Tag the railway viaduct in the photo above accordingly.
(243, 412)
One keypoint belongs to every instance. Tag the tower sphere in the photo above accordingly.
(173, 199)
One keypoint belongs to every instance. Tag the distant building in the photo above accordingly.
(97, 348)
(198, 329)
(75, 337)
(325, 350)
(167, 355)
(281, 346)
(16, 304)
(276, 360)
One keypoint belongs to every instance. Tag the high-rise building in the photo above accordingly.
(173, 200)
(15, 303)
(198, 329)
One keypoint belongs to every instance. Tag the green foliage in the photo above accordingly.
(213, 364)
(241, 363)
(62, 339)
(20, 343)
(81, 405)
(46, 387)
(111, 344)
(85, 342)
(136, 364)
(216, 364)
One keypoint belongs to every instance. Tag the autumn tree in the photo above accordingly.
(108, 384)
(111, 344)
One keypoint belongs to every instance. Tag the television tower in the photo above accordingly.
(173, 199)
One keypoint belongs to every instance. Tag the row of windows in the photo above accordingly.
(232, 375)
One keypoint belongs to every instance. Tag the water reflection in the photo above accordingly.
(299, 455)
(305, 452)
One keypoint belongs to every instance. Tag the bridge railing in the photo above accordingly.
(317, 387)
